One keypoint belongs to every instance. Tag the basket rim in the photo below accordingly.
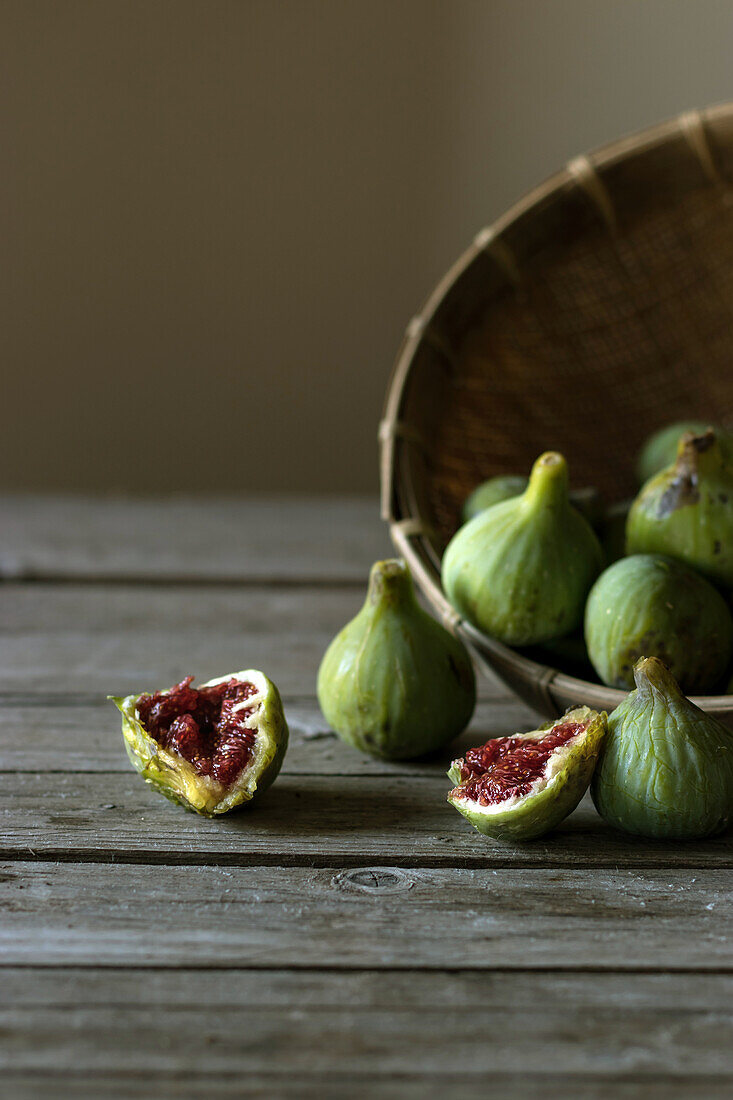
(409, 533)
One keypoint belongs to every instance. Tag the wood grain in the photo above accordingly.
(367, 917)
(383, 1024)
(351, 934)
(98, 639)
(305, 819)
(252, 540)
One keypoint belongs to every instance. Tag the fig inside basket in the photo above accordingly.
(596, 310)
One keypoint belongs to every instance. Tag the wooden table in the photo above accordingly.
(351, 935)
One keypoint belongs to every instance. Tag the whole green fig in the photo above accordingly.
(521, 570)
(660, 449)
(394, 682)
(587, 501)
(687, 510)
(650, 605)
(666, 768)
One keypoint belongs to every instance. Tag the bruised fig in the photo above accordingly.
(648, 605)
(394, 682)
(587, 501)
(211, 748)
(660, 449)
(666, 769)
(687, 510)
(520, 571)
(520, 787)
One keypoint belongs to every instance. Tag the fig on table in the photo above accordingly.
(213, 748)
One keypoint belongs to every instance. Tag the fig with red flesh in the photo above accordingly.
(212, 748)
(520, 787)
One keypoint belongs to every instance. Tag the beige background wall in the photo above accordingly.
(217, 216)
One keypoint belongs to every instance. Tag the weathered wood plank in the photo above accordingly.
(385, 1023)
(101, 817)
(101, 640)
(376, 918)
(331, 539)
(451, 1082)
(84, 738)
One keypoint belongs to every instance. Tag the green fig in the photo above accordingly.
(520, 571)
(660, 449)
(491, 492)
(587, 501)
(666, 769)
(394, 682)
(653, 606)
(687, 511)
(211, 749)
(520, 787)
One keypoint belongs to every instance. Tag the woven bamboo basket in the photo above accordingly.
(597, 309)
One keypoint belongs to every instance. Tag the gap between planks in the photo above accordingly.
(722, 972)
(183, 580)
(335, 1085)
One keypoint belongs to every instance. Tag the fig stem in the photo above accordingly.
(390, 580)
(698, 454)
(652, 676)
(548, 481)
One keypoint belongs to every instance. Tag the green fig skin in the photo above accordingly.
(536, 814)
(666, 769)
(493, 491)
(395, 683)
(648, 605)
(587, 501)
(173, 777)
(520, 571)
(687, 511)
(660, 449)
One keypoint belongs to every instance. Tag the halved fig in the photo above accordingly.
(211, 748)
(520, 787)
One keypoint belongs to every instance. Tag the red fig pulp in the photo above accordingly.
(211, 748)
(206, 725)
(521, 786)
(507, 767)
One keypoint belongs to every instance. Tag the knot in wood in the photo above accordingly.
(374, 880)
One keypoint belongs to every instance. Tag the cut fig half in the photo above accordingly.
(519, 787)
(211, 748)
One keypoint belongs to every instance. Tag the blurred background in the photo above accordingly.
(218, 216)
